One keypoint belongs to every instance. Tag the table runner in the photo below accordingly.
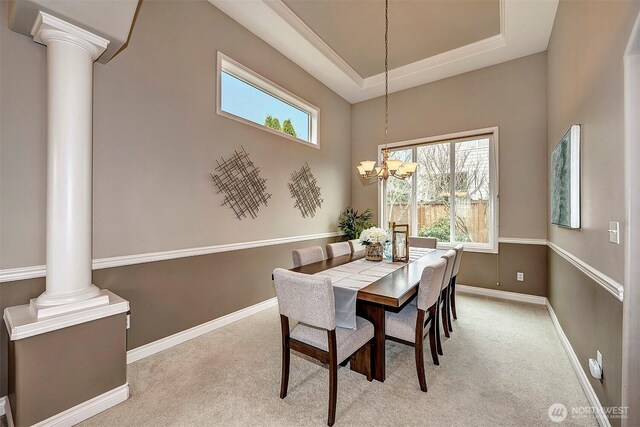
(347, 279)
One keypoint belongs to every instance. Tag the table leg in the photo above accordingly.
(374, 313)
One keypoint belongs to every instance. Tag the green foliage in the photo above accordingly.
(287, 127)
(440, 229)
(351, 223)
(273, 123)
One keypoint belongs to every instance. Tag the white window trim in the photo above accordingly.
(228, 65)
(492, 246)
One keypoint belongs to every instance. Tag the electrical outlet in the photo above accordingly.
(599, 358)
(520, 277)
(128, 321)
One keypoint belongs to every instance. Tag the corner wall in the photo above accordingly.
(585, 86)
(156, 139)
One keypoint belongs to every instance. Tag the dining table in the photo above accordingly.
(395, 285)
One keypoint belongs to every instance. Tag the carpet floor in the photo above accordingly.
(504, 365)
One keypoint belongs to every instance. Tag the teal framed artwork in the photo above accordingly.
(565, 180)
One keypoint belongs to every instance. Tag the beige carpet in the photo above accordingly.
(504, 365)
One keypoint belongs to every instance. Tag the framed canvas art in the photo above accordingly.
(565, 180)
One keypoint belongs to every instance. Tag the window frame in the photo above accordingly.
(494, 184)
(245, 74)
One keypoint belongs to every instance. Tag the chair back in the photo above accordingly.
(456, 265)
(423, 242)
(306, 298)
(356, 246)
(431, 284)
(306, 256)
(450, 256)
(338, 249)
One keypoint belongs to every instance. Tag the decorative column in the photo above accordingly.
(71, 52)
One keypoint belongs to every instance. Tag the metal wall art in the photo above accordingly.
(240, 181)
(305, 191)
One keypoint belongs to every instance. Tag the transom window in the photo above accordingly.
(453, 195)
(246, 96)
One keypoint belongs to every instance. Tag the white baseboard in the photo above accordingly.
(175, 339)
(514, 296)
(78, 413)
(580, 373)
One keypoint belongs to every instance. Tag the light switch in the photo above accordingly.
(520, 277)
(614, 232)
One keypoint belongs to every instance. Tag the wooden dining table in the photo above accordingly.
(388, 293)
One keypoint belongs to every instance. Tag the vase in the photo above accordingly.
(373, 252)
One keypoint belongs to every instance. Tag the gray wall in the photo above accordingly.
(156, 138)
(511, 95)
(585, 86)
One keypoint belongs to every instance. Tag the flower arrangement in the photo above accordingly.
(373, 235)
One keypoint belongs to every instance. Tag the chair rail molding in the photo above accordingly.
(610, 285)
(32, 272)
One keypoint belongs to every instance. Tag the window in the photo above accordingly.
(246, 96)
(454, 193)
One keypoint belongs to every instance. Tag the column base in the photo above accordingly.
(47, 305)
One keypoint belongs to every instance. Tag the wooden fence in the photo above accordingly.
(474, 214)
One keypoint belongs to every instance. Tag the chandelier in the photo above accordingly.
(390, 167)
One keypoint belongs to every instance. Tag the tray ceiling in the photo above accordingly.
(341, 42)
(417, 29)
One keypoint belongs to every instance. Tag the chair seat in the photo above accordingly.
(402, 325)
(348, 341)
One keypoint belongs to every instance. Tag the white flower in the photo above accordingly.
(373, 235)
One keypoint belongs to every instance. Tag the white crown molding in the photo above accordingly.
(592, 397)
(180, 337)
(610, 285)
(22, 273)
(525, 28)
(22, 322)
(522, 241)
(495, 293)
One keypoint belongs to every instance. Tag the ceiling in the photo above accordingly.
(417, 29)
(341, 42)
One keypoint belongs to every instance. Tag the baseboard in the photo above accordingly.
(513, 296)
(78, 413)
(175, 339)
(580, 373)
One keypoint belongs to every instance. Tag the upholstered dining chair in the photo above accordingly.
(454, 276)
(423, 242)
(356, 246)
(450, 257)
(306, 256)
(310, 301)
(338, 249)
(408, 325)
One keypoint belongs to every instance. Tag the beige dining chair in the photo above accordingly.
(310, 301)
(306, 256)
(408, 325)
(452, 287)
(450, 257)
(423, 242)
(338, 249)
(356, 246)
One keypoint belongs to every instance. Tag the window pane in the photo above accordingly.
(472, 210)
(399, 193)
(241, 99)
(433, 188)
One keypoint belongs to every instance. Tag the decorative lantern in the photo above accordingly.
(399, 242)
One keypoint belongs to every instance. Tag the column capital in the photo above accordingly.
(48, 28)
